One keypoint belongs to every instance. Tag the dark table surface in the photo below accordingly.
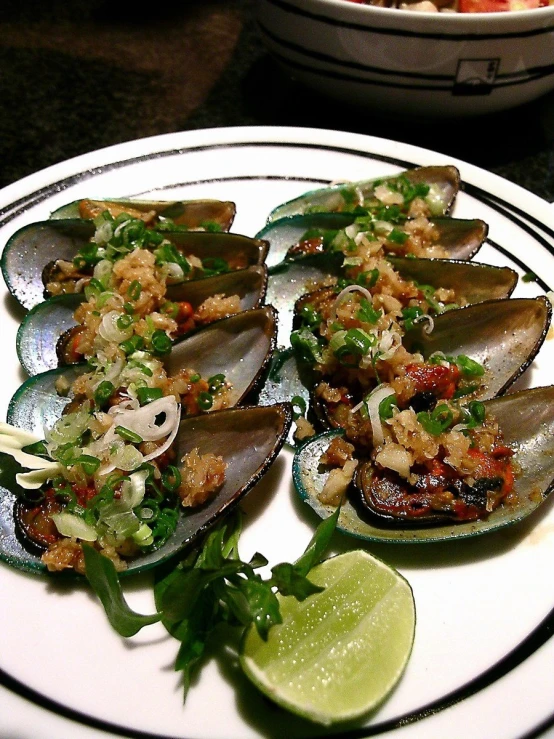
(78, 75)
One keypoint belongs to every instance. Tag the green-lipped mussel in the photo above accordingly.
(48, 333)
(239, 347)
(248, 438)
(435, 187)
(294, 237)
(31, 258)
(526, 421)
(478, 351)
(205, 215)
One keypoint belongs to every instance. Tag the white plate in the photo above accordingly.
(485, 607)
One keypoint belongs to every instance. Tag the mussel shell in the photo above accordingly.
(240, 347)
(475, 282)
(44, 332)
(290, 280)
(461, 238)
(472, 282)
(445, 179)
(249, 439)
(190, 213)
(526, 420)
(503, 335)
(33, 247)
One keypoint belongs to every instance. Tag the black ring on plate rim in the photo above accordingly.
(532, 642)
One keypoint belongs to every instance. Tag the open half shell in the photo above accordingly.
(472, 282)
(502, 335)
(248, 439)
(443, 181)
(526, 419)
(35, 246)
(47, 328)
(461, 238)
(194, 214)
(239, 347)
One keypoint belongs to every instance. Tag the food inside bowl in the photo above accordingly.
(458, 6)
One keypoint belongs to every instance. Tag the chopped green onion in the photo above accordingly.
(306, 346)
(474, 414)
(148, 394)
(397, 237)
(124, 321)
(469, 366)
(367, 313)
(437, 420)
(161, 343)
(461, 392)
(205, 401)
(128, 435)
(171, 478)
(387, 406)
(89, 463)
(143, 537)
(134, 290)
(298, 406)
(409, 316)
(169, 253)
(368, 279)
(143, 368)
(309, 316)
(169, 308)
(103, 393)
(132, 345)
(93, 288)
(215, 383)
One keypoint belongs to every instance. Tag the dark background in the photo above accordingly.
(77, 75)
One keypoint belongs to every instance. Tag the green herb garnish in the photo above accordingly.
(211, 587)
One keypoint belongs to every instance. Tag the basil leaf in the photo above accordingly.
(318, 544)
(102, 576)
(290, 582)
(263, 603)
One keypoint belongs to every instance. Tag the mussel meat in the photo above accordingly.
(526, 421)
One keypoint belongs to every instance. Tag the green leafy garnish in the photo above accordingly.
(102, 576)
(210, 587)
(387, 406)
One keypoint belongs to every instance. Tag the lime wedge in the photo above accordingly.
(339, 653)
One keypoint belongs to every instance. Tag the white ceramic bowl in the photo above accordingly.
(401, 61)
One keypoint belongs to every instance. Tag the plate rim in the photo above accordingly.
(359, 144)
